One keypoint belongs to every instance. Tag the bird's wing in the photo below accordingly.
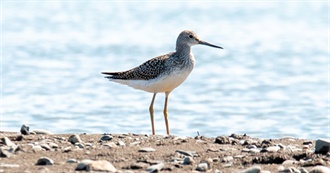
(148, 70)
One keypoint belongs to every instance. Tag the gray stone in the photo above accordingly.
(25, 129)
(147, 149)
(188, 160)
(53, 145)
(106, 138)
(99, 165)
(228, 159)
(71, 161)
(186, 153)
(110, 145)
(222, 140)
(289, 170)
(45, 161)
(80, 145)
(303, 170)
(203, 167)
(273, 149)
(322, 146)
(320, 169)
(42, 132)
(67, 149)
(37, 148)
(74, 139)
(45, 146)
(8, 142)
(253, 169)
(289, 162)
(254, 150)
(155, 168)
(5, 153)
(121, 144)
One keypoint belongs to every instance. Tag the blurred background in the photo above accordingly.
(271, 80)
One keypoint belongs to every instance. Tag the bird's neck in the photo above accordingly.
(183, 50)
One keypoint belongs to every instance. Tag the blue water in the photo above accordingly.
(271, 80)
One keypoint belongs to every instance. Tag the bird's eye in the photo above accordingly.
(190, 36)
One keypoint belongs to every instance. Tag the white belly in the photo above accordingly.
(161, 84)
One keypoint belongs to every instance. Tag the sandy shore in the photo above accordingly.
(138, 153)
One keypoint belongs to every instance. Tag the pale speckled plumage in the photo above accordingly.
(163, 73)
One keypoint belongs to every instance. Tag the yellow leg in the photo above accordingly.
(165, 113)
(151, 111)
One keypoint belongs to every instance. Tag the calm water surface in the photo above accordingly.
(271, 80)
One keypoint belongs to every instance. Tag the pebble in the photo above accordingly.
(322, 146)
(67, 149)
(147, 149)
(203, 167)
(110, 145)
(155, 168)
(289, 170)
(253, 169)
(42, 132)
(188, 160)
(8, 142)
(5, 153)
(36, 147)
(307, 143)
(254, 150)
(186, 153)
(289, 162)
(74, 139)
(134, 143)
(53, 145)
(121, 144)
(273, 149)
(2, 165)
(222, 140)
(320, 169)
(25, 129)
(45, 146)
(99, 165)
(80, 145)
(71, 161)
(228, 159)
(45, 161)
(106, 138)
(303, 170)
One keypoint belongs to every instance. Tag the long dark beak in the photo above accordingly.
(208, 44)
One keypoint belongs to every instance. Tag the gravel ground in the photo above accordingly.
(42, 152)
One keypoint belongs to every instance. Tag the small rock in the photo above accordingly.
(110, 145)
(138, 165)
(273, 149)
(222, 140)
(74, 139)
(203, 167)
(134, 143)
(37, 148)
(307, 142)
(264, 171)
(42, 132)
(251, 146)
(71, 161)
(253, 169)
(186, 153)
(80, 145)
(303, 170)
(188, 160)
(217, 171)
(2, 165)
(227, 165)
(289, 162)
(322, 146)
(320, 169)
(239, 156)
(228, 159)
(106, 138)
(25, 129)
(83, 164)
(5, 153)
(45, 161)
(8, 142)
(101, 165)
(155, 168)
(67, 149)
(121, 144)
(45, 146)
(289, 170)
(53, 145)
(245, 150)
(254, 150)
(147, 149)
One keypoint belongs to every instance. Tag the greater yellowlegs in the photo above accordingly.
(162, 73)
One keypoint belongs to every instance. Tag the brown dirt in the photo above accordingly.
(128, 157)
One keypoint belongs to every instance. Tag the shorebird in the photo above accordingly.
(164, 73)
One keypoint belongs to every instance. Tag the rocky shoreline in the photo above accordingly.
(41, 151)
